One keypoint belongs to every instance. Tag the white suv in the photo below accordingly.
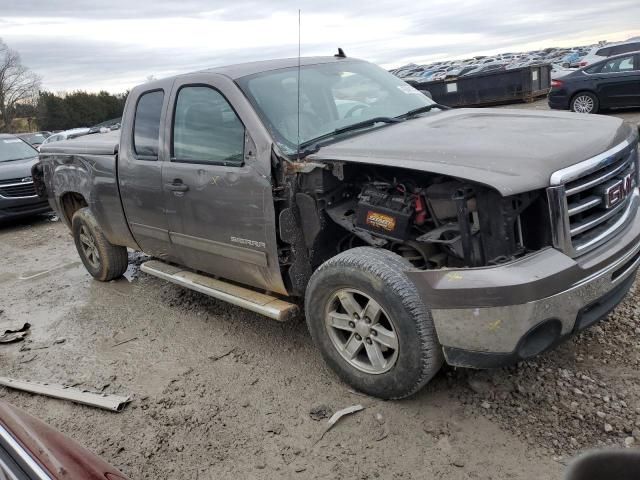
(601, 52)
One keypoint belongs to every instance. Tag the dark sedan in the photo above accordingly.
(18, 195)
(610, 83)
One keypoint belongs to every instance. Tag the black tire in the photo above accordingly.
(111, 260)
(582, 98)
(379, 274)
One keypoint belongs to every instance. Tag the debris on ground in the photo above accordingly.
(133, 270)
(319, 412)
(222, 355)
(341, 413)
(28, 358)
(382, 427)
(15, 335)
(114, 403)
(337, 416)
(125, 341)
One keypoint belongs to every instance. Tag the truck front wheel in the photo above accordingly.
(103, 260)
(370, 325)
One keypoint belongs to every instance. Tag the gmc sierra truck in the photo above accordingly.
(413, 234)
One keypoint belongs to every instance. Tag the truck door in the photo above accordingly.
(217, 186)
(140, 167)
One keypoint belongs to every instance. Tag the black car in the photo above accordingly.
(18, 195)
(610, 83)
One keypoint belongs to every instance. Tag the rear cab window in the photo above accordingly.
(146, 125)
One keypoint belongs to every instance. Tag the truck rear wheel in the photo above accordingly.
(370, 325)
(103, 260)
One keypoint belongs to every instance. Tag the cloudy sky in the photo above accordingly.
(115, 44)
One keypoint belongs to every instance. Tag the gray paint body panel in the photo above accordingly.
(94, 144)
(140, 180)
(129, 196)
(224, 202)
(494, 147)
(93, 177)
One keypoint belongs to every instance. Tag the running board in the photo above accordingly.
(257, 302)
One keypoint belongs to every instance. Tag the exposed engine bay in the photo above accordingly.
(434, 221)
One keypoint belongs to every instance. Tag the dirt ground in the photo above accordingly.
(220, 392)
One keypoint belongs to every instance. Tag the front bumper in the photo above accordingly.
(494, 316)
(22, 207)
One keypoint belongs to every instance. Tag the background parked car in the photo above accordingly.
(560, 58)
(34, 139)
(610, 83)
(67, 134)
(601, 52)
(18, 195)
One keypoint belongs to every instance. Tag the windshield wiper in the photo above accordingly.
(312, 146)
(424, 109)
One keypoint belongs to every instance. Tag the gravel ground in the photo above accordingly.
(221, 392)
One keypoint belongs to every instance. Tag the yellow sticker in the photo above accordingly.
(380, 220)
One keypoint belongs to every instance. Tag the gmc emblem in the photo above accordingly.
(618, 191)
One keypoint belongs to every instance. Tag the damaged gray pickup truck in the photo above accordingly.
(414, 234)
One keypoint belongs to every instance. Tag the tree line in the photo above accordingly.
(77, 109)
(24, 106)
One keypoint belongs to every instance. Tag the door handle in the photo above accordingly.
(177, 186)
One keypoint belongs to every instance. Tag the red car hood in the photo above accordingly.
(57, 454)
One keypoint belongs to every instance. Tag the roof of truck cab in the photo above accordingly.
(244, 69)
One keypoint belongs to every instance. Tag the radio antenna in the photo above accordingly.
(298, 146)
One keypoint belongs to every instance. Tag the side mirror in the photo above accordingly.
(427, 93)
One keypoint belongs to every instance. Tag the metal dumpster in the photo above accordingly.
(508, 86)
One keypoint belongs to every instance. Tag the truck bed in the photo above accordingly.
(85, 169)
(92, 144)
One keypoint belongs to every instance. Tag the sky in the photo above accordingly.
(116, 44)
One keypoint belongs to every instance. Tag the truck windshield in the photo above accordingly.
(332, 96)
(15, 149)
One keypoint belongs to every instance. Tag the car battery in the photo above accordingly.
(384, 215)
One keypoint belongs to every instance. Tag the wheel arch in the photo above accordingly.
(70, 203)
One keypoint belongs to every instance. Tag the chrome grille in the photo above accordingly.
(591, 201)
(17, 188)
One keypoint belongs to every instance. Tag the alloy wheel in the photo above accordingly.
(583, 104)
(361, 331)
(89, 247)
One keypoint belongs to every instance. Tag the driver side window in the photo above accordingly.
(206, 129)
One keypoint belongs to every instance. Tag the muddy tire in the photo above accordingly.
(370, 325)
(102, 260)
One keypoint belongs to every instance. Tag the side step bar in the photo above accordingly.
(257, 302)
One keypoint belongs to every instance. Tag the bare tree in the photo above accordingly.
(17, 84)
